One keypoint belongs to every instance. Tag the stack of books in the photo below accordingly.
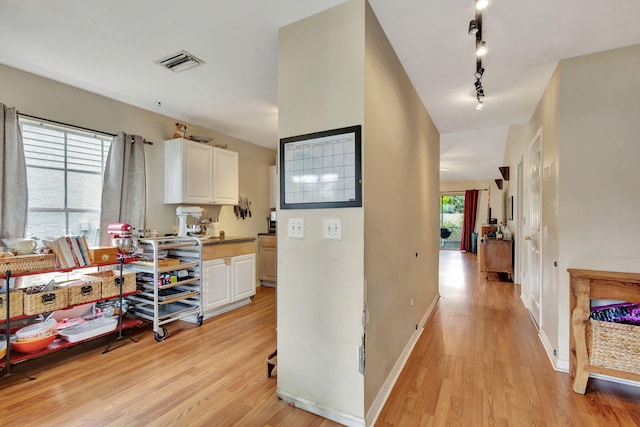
(70, 251)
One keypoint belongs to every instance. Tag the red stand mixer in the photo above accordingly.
(122, 238)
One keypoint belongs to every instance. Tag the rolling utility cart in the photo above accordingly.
(170, 278)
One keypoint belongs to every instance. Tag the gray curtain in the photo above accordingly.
(124, 189)
(13, 170)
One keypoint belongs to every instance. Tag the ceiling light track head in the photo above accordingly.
(481, 49)
(473, 27)
(481, 4)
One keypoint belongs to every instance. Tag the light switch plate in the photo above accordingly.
(332, 229)
(295, 229)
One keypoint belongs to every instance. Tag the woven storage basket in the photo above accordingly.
(27, 263)
(614, 345)
(80, 294)
(44, 302)
(16, 304)
(110, 282)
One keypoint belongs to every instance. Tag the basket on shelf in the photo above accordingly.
(82, 291)
(110, 281)
(44, 302)
(613, 345)
(27, 263)
(16, 304)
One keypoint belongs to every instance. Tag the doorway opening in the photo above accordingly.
(451, 220)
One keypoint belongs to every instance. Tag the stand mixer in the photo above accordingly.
(122, 238)
(184, 213)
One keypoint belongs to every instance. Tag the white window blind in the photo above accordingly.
(65, 168)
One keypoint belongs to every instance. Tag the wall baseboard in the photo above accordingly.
(387, 387)
(548, 348)
(314, 408)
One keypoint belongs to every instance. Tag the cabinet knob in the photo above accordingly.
(527, 237)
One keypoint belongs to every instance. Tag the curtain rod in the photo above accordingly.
(73, 126)
(462, 191)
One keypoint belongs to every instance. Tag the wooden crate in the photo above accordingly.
(103, 255)
(110, 282)
(16, 304)
(45, 302)
(27, 263)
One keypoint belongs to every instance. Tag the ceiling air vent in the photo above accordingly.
(179, 61)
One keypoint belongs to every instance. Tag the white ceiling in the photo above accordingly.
(109, 47)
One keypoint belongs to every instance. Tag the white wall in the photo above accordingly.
(599, 114)
(402, 236)
(589, 120)
(321, 282)
(56, 101)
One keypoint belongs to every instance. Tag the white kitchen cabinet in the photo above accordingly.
(199, 174)
(225, 177)
(228, 283)
(216, 290)
(243, 276)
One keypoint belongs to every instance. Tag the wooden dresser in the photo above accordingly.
(497, 256)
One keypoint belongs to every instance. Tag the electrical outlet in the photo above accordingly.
(296, 228)
(332, 229)
(411, 302)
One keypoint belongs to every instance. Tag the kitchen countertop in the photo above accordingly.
(227, 240)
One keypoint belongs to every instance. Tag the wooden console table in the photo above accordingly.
(585, 286)
(497, 256)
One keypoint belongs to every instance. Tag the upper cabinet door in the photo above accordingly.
(197, 173)
(225, 177)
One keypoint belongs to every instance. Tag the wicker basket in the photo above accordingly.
(44, 302)
(613, 345)
(84, 292)
(16, 304)
(27, 263)
(110, 280)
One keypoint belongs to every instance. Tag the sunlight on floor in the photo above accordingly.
(452, 270)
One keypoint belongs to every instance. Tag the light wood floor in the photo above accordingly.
(478, 362)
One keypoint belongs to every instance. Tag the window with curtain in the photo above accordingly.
(65, 169)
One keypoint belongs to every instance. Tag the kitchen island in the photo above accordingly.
(228, 273)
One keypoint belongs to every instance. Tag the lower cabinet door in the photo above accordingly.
(243, 280)
(216, 283)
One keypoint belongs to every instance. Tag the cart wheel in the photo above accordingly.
(161, 336)
(200, 319)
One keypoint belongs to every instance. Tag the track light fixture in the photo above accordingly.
(475, 29)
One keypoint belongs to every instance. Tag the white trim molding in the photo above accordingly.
(385, 390)
(323, 411)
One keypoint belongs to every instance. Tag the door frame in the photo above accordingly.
(538, 322)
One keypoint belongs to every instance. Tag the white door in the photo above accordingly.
(243, 276)
(535, 237)
(216, 289)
